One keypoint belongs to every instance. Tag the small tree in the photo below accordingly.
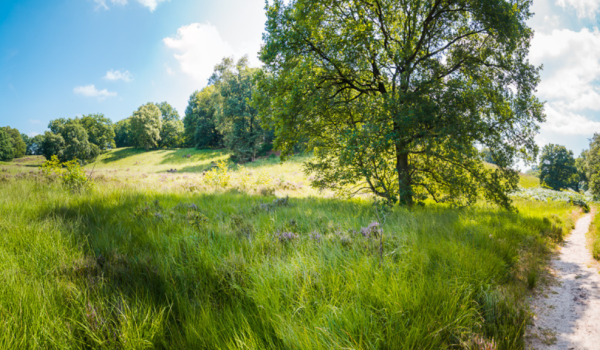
(7, 152)
(557, 168)
(146, 125)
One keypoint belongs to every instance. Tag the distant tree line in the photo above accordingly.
(221, 115)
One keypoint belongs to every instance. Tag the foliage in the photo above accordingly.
(171, 134)
(145, 126)
(219, 175)
(200, 271)
(167, 112)
(394, 96)
(172, 129)
(18, 144)
(581, 164)
(52, 145)
(549, 195)
(7, 152)
(100, 130)
(557, 168)
(78, 138)
(592, 166)
(70, 173)
(34, 144)
(594, 237)
(487, 156)
(76, 144)
(123, 136)
(238, 121)
(200, 119)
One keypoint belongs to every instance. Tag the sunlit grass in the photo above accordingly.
(131, 265)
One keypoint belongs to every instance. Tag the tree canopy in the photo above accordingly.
(238, 119)
(167, 112)
(100, 130)
(17, 142)
(123, 137)
(201, 119)
(395, 96)
(145, 126)
(557, 168)
(171, 131)
(592, 166)
(7, 152)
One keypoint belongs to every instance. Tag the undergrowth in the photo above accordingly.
(133, 268)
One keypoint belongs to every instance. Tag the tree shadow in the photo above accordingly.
(122, 154)
(154, 246)
(190, 155)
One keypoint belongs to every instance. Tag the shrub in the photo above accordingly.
(71, 174)
(219, 175)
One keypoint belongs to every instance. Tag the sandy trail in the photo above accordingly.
(568, 314)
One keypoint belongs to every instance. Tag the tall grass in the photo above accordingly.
(136, 268)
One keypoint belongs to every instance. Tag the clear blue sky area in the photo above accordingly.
(49, 49)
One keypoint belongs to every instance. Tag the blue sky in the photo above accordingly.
(63, 58)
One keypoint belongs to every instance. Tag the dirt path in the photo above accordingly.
(568, 313)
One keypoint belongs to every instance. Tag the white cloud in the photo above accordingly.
(200, 48)
(565, 122)
(34, 121)
(33, 134)
(584, 8)
(114, 75)
(572, 67)
(91, 91)
(150, 4)
(570, 79)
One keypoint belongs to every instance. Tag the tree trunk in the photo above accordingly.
(404, 179)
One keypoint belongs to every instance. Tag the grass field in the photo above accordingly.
(139, 263)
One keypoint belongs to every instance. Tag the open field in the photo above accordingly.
(139, 262)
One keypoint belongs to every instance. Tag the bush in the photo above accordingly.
(71, 174)
(219, 175)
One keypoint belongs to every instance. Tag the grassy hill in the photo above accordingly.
(150, 259)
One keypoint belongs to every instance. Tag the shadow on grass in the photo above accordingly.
(147, 246)
(121, 154)
(191, 155)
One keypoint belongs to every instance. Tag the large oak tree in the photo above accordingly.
(395, 96)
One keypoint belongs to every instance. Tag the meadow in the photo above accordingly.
(253, 258)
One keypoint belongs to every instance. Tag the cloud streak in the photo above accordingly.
(150, 4)
(91, 91)
(115, 75)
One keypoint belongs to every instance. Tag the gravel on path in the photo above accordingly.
(568, 313)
